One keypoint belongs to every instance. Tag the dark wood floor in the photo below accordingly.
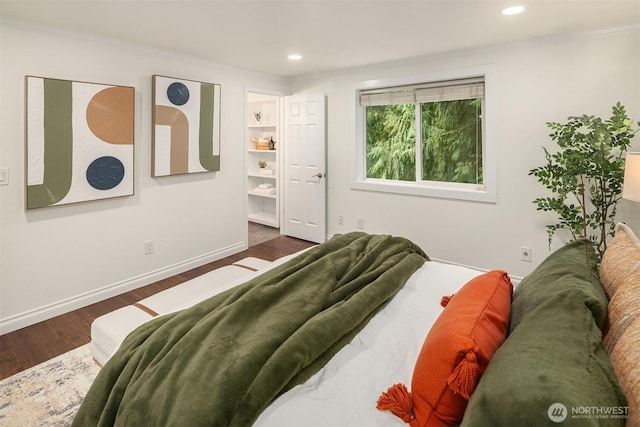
(35, 344)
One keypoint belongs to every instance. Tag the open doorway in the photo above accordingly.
(262, 165)
(289, 196)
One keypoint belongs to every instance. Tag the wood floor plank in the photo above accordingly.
(49, 339)
(9, 363)
(4, 342)
(27, 347)
(72, 332)
(27, 350)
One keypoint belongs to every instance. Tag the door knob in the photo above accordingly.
(318, 175)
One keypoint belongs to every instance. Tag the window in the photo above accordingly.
(427, 137)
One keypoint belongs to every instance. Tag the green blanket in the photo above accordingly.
(221, 362)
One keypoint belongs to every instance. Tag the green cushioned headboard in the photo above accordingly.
(552, 370)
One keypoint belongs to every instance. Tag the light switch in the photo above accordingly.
(4, 176)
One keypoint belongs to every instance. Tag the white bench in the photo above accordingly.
(109, 330)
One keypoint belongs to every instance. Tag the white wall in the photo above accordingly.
(538, 81)
(58, 258)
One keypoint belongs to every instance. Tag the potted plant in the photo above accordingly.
(262, 164)
(585, 175)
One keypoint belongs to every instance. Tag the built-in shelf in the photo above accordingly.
(253, 150)
(268, 196)
(262, 208)
(263, 218)
(261, 175)
(260, 126)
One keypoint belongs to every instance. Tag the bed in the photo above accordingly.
(489, 357)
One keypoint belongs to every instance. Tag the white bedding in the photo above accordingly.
(345, 391)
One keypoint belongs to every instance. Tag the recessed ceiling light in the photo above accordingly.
(513, 10)
(295, 57)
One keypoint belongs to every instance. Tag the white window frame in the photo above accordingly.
(486, 192)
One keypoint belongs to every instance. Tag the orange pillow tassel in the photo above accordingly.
(464, 377)
(445, 300)
(397, 399)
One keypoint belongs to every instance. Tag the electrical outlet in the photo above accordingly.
(149, 247)
(360, 223)
(525, 254)
(4, 176)
(341, 220)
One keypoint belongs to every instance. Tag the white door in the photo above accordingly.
(305, 167)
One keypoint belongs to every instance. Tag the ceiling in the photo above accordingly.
(330, 35)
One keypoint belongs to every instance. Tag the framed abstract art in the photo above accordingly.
(186, 126)
(79, 141)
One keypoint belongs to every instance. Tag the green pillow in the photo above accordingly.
(576, 260)
(552, 365)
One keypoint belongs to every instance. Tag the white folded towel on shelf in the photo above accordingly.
(264, 190)
(266, 185)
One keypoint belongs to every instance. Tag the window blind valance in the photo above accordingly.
(450, 90)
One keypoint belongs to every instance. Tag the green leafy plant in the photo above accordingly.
(586, 175)
(262, 164)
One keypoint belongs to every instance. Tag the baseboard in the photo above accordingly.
(31, 317)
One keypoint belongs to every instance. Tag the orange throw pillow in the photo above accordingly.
(455, 353)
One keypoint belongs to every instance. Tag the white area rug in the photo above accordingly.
(48, 394)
